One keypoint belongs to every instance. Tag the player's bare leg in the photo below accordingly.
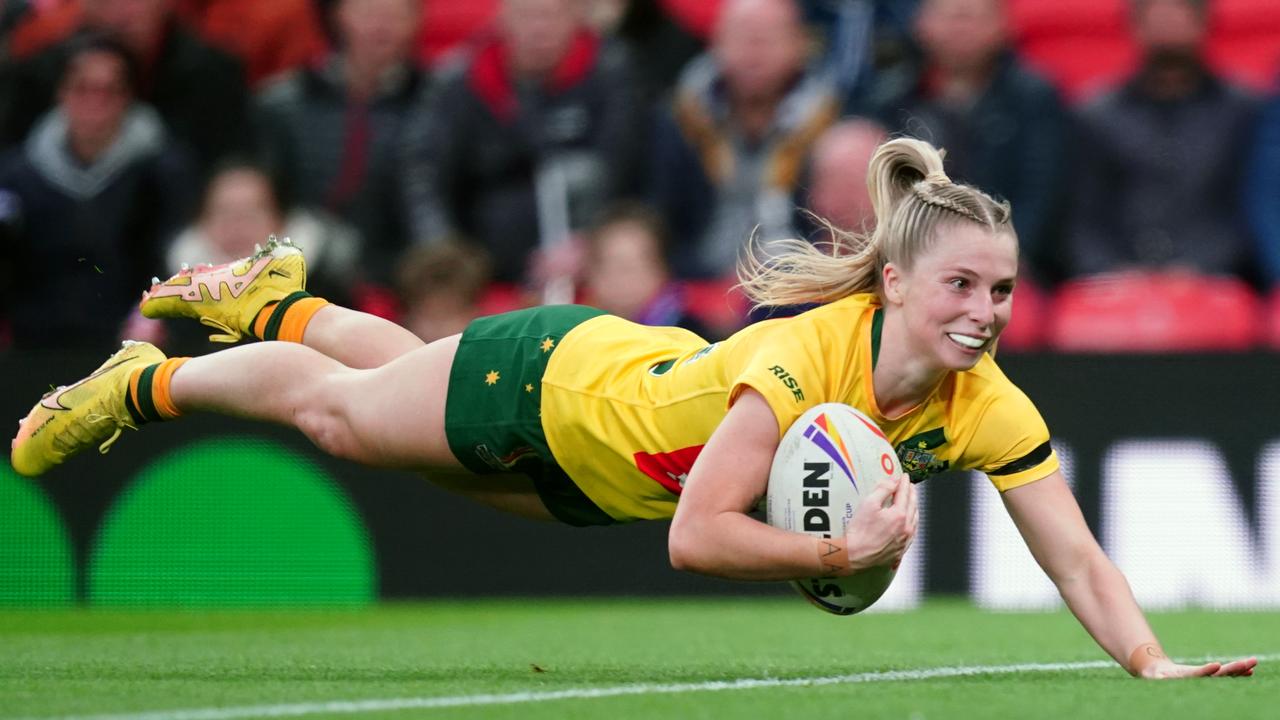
(357, 339)
(391, 416)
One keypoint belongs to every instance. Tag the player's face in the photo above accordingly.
(958, 296)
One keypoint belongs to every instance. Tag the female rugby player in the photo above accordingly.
(567, 413)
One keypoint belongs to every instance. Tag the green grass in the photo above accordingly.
(79, 662)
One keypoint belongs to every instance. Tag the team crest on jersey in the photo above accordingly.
(919, 457)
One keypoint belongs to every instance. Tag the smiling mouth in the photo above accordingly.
(968, 341)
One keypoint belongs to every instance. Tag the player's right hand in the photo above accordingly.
(884, 525)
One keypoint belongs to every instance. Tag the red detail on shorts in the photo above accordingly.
(668, 469)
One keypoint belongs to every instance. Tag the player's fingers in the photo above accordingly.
(900, 490)
(1201, 671)
(880, 493)
(1237, 668)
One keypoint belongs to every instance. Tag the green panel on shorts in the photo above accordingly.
(493, 417)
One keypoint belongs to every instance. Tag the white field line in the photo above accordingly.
(352, 707)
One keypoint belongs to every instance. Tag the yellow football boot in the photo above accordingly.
(228, 297)
(74, 417)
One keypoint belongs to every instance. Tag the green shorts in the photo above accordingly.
(493, 417)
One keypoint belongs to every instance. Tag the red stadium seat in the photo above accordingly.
(1244, 41)
(717, 304)
(1081, 45)
(502, 297)
(1155, 312)
(377, 300)
(1086, 45)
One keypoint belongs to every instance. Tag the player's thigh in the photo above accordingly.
(396, 412)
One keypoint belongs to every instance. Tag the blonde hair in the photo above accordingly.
(912, 197)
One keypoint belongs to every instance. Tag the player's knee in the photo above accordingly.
(325, 420)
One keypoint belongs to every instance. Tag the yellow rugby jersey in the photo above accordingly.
(627, 408)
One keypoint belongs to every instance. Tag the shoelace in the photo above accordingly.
(228, 334)
(120, 425)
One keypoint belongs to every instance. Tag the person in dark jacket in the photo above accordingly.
(199, 91)
(335, 134)
(1002, 126)
(1160, 160)
(88, 202)
(729, 156)
(528, 137)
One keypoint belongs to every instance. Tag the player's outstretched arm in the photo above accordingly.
(1095, 590)
(712, 534)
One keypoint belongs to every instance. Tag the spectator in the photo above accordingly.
(1159, 159)
(729, 154)
(659, 47)
(242, 206)
(334, 134)
(198, 90)
(837, 187)
(441, 285)
(1002, 126)
(859, 38)
(90, 199)
(1262, 195)
(626, 270)
(529, 136)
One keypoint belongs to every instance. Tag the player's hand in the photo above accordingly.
(1166, 669)
(884, 525)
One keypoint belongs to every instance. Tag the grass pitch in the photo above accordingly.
(545, 658)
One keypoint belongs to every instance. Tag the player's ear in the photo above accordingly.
(892, 280)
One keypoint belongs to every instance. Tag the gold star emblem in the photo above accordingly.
(528, 388)
(548, 344)
(491, 378)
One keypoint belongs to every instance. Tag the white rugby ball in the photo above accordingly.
(827, 460)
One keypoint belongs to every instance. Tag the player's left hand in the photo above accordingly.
(1166, 669)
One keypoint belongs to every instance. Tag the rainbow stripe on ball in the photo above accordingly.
(822, 432)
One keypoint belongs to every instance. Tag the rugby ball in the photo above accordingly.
(827, 460)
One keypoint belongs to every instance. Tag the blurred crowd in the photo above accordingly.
(442, 159)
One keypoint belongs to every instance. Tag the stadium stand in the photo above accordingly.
(1085, 45)
(1154, 312)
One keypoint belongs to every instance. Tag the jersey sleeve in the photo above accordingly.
(1011, 442)
(784, 368)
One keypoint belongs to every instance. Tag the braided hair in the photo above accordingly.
(913, 198)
